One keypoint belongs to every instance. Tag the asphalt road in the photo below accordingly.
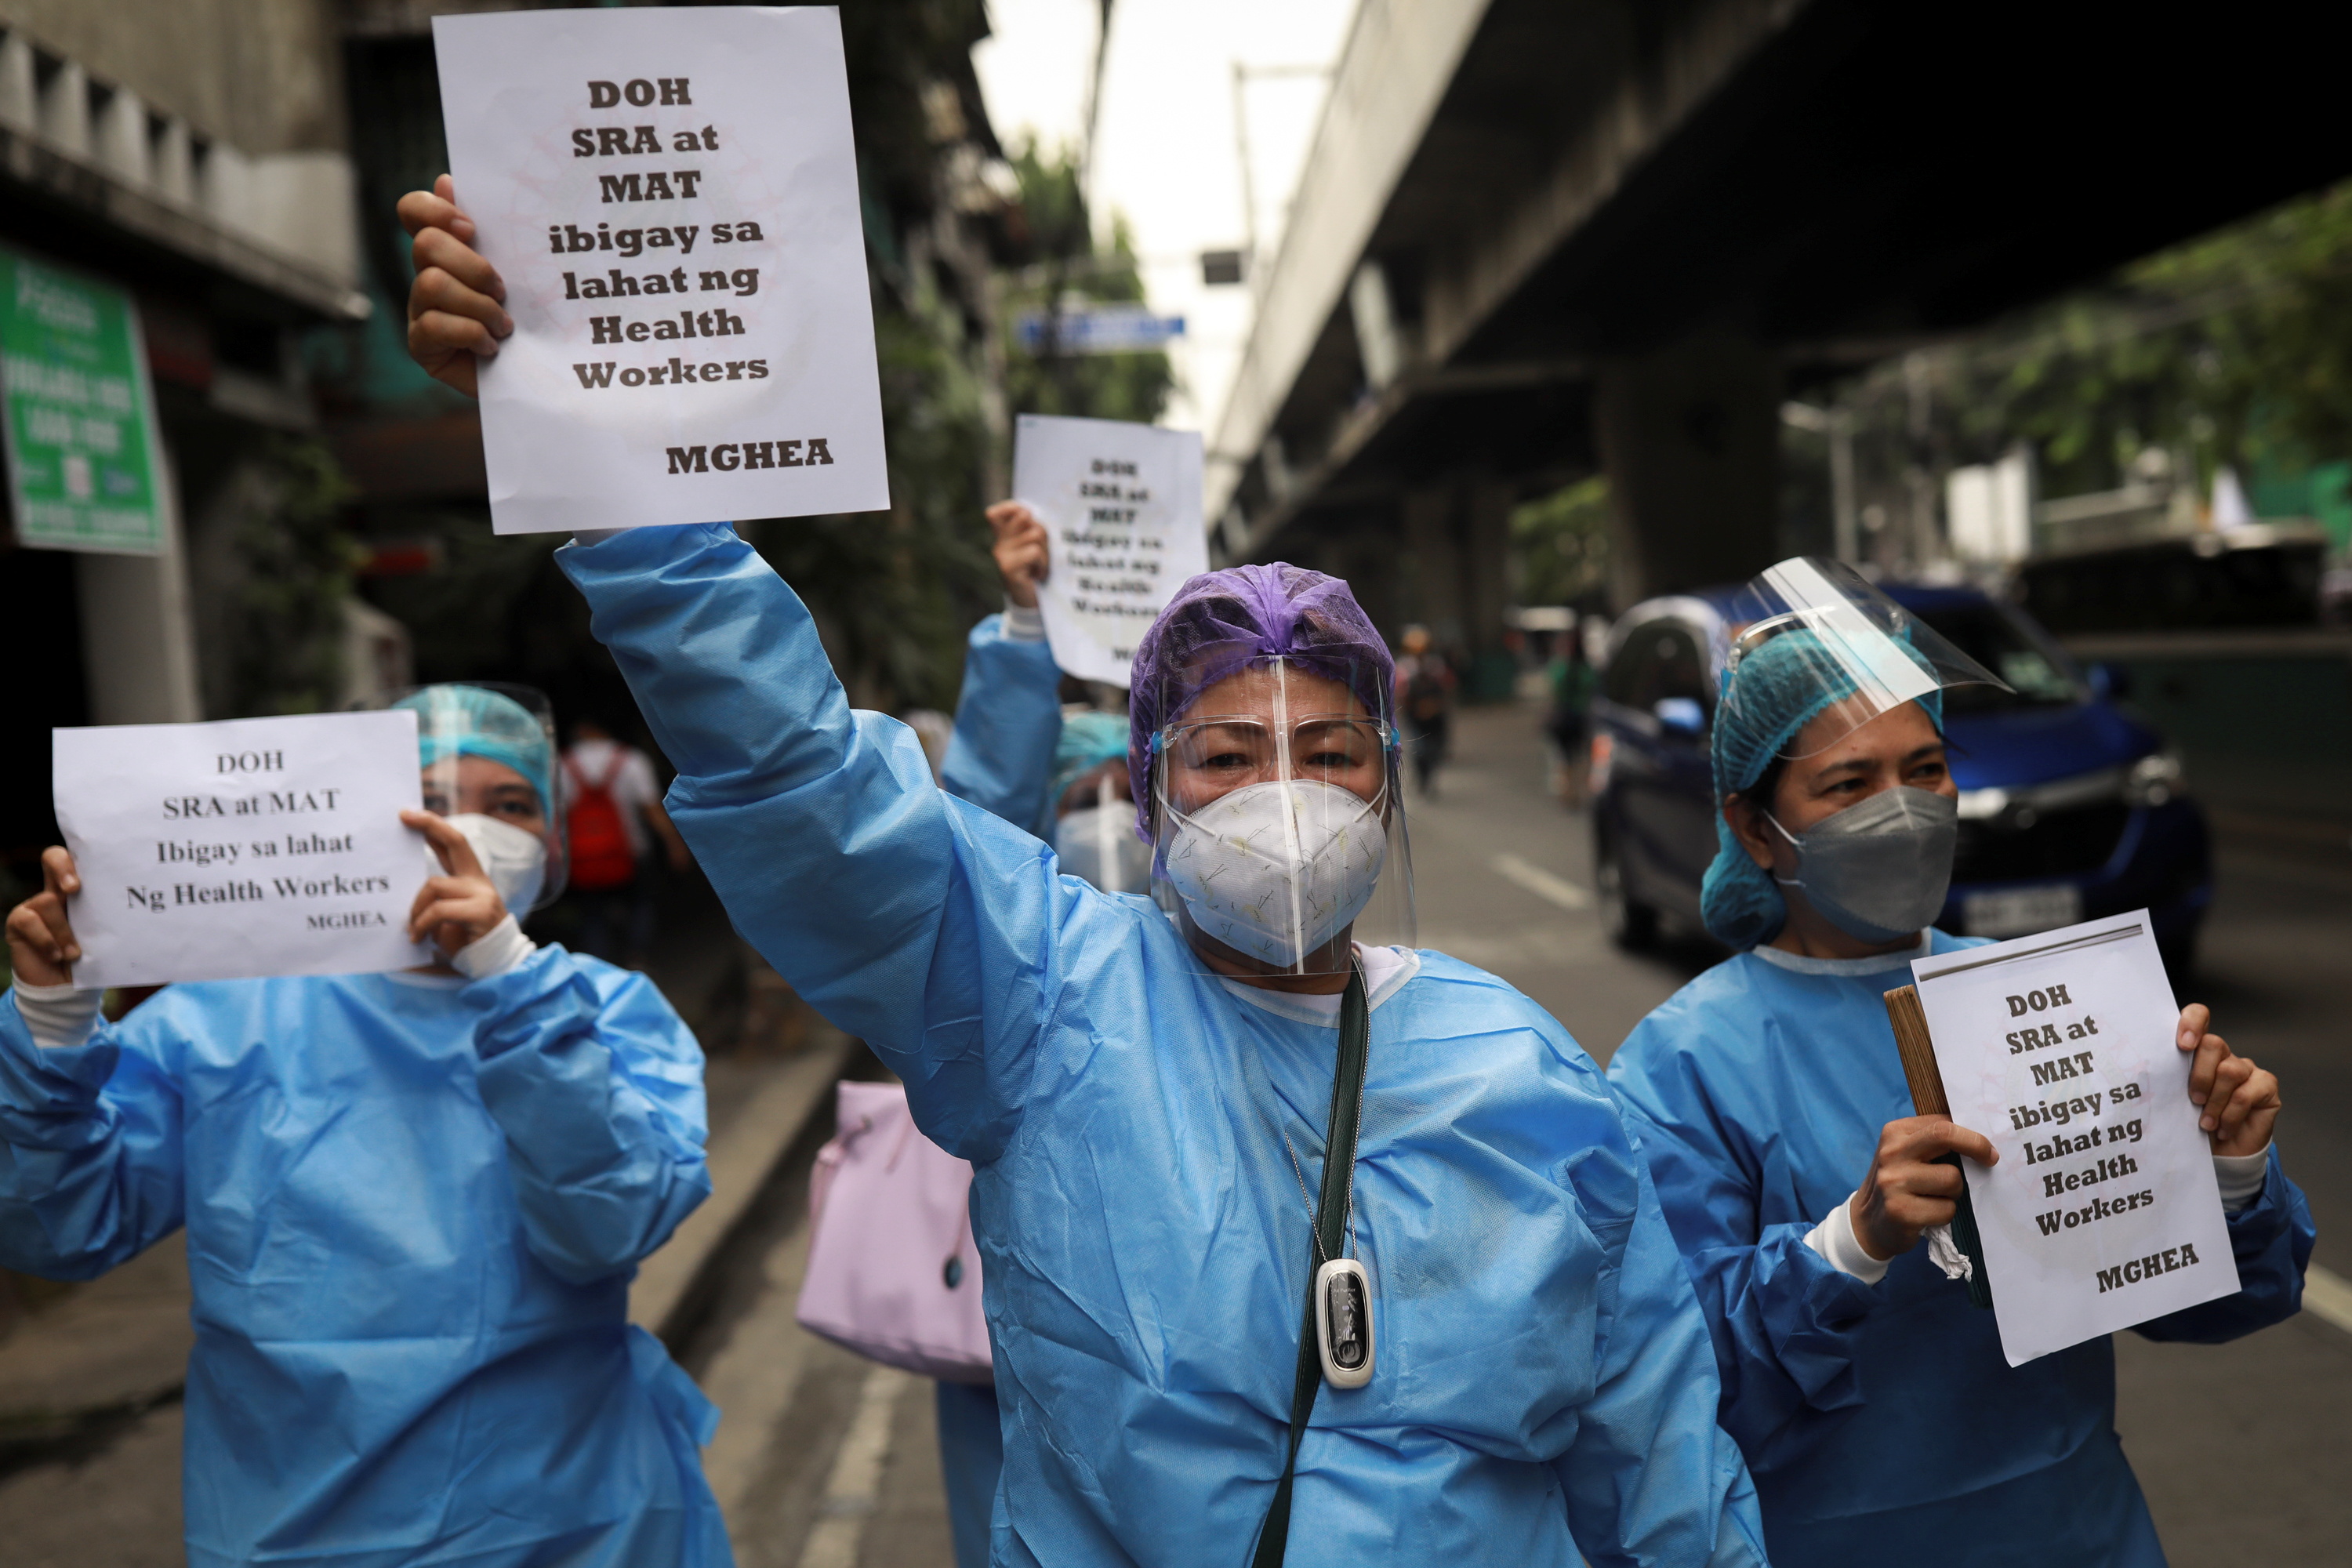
(824, 1461)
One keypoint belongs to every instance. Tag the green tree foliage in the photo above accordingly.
(1559, 546)
(895, 592)
(1071, 268)
(295, 568)
(2235, 347)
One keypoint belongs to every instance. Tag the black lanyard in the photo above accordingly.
(1330, 1232)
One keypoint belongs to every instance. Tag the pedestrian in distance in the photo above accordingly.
(414, 1203)
(1570, 722)
(613, 813)
(1425, 695)
(1477, 1345)
(1872, 1400)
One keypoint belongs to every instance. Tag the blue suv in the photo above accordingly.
(2070, 808)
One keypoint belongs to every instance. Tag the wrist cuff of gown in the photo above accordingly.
(495, 951)
(60, 1018)
(1834, 1240)
(2242, 1177)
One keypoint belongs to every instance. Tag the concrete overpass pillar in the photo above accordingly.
(1432, 587)
(1689, 437)
(1457, 578)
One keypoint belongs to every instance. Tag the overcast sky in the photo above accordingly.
(1167, 156)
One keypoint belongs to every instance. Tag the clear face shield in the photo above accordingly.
(1278, 832)
(488, 757)
(1827, 629)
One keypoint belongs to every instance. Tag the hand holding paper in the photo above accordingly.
(456, 310)
(458, 909)
(2240, 1101)
(1023, 557)
(41, 946)
(1907, 1189)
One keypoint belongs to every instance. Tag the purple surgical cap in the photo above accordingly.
(1220, 623)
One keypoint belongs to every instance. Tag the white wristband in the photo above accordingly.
(1834, 1240)
(2242, 1178)
(59, 1017)
(1023, 623)
(495, 951)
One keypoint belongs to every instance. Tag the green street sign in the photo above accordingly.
(78, 412)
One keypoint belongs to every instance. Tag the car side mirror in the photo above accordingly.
(1680, 715)
(2109, 682)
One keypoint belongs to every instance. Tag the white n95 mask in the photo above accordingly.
(1277, 869)
(513, 858)
(1098, 845)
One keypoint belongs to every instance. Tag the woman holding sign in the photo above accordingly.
(1463, 1337)
(1016, 753)
(1874, 1403)
(414, 1203)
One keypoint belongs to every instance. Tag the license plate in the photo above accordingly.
(2022, 912)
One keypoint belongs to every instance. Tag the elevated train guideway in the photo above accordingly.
(1536, 238)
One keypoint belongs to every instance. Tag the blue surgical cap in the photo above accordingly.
(475, 722)
(1088, 740)
(1784, 684)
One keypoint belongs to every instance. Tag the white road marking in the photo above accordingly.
(856, 1473)
(1541, 883)
(2329, 1295)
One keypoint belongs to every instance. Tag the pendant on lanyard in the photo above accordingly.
(1343, 1322)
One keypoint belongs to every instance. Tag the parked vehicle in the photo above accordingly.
(2070, 808)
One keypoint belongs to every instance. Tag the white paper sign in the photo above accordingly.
(671, 196)
(2104, 1210)
(248, 848)
(1122, 504)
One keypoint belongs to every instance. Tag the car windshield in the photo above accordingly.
(2021, 654)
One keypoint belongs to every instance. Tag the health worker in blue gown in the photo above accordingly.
(413, 1200)
(1144, 1091)
(1877, 1412)
(1508, 1364)
(1512, 1365)
(1015, 754)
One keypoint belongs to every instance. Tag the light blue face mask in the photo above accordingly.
(1879, 869)
(1098, 844)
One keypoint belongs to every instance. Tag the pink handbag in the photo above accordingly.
(892, 1270)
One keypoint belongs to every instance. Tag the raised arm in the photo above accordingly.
(905, 916)
(1009, 714)
(1007, 719)
(597, 1084)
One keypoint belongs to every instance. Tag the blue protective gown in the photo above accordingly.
(412, 1214)
(1007, 719)
(1542, 1366)
(1882, 1422)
